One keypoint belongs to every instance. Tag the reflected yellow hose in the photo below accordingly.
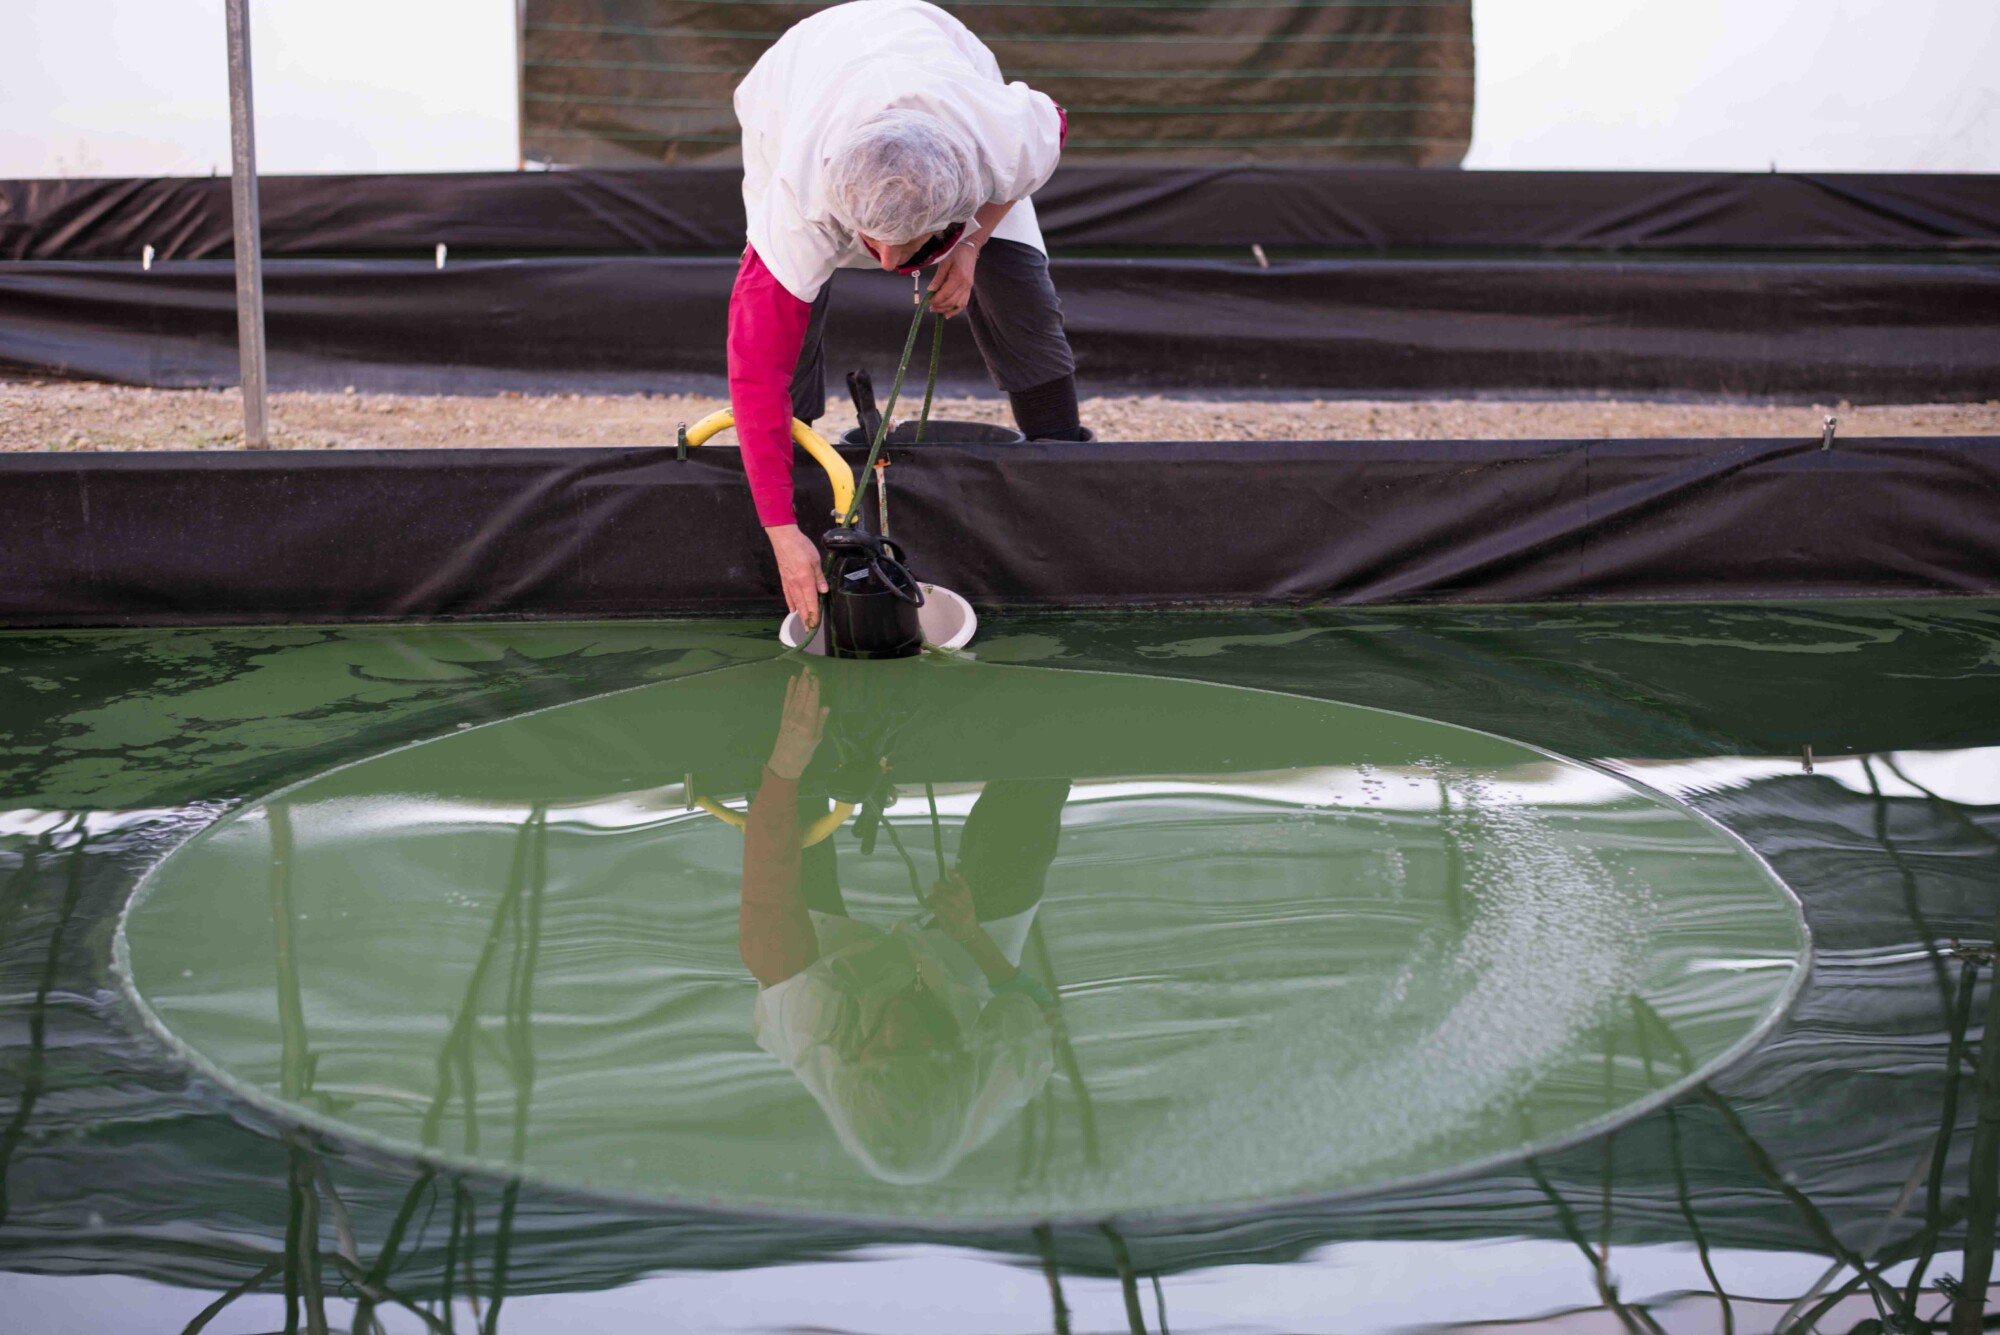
(815, 832)
(826, 824)
(721, 812)
(807, 439)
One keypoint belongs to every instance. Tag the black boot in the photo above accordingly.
(1048, 411)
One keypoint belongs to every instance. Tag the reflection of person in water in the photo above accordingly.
(922, 1039)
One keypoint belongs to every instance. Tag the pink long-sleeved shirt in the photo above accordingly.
(767, 328)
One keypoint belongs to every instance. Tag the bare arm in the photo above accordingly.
(774, 929)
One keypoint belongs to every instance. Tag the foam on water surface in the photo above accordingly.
(1272, 946)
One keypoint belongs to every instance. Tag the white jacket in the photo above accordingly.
(953, 1098)
(831, 72)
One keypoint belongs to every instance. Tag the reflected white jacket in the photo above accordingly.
(833, 71)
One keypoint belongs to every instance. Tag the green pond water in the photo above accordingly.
(1379, 970)
(992, 941)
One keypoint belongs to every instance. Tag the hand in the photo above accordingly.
(951, 285)
(800, 728)
(798, 570)
(951, 904)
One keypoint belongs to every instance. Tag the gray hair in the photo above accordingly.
(902, 176)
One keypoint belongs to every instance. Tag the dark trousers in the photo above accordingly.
(1015, 317)
(1004, 851)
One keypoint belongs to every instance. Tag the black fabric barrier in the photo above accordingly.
(651, 211)
(154, 539)
(1883, 332)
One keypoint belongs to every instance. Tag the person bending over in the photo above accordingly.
(879, 134)
(919, 1039)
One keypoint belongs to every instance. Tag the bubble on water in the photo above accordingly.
(1553, 945)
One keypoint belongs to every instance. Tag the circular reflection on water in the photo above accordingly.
(1192, 946)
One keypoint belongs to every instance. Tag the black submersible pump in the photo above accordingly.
(872, 599)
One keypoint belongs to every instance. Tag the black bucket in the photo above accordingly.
(938, 432)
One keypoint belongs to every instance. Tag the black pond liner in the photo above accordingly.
(597, 211)
(1799, 328)
(1873, 287)
(232, 537)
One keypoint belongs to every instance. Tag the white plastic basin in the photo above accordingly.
(947, 620)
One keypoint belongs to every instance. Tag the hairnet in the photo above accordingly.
(902, 176)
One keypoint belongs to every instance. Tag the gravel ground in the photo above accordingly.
(73, 416)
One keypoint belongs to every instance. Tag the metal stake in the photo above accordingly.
(248, 230)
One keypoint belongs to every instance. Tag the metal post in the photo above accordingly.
(248, 230)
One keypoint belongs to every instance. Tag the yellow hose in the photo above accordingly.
(826, 824)
(807, 439)
(815, 832)
(720, 812)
